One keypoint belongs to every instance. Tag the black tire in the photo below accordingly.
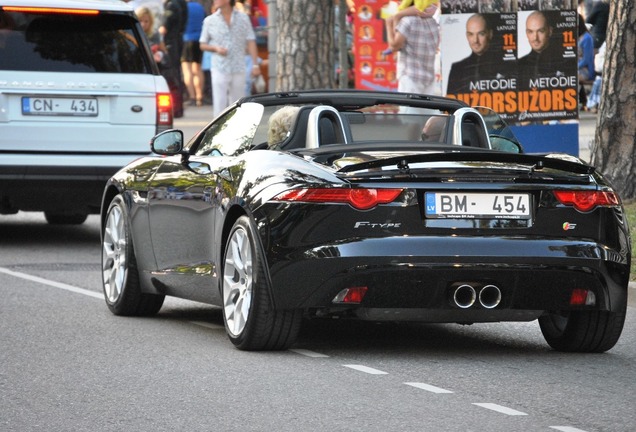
(250, 320)
(583, 331)
(120, 276)
(65, 218)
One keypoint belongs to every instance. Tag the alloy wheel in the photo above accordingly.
(238, 281)
(114, 254)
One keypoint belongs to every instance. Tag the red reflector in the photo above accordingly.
(351, 295)
(587, 200)
(578, 297)
(44, 10)
(361, 199)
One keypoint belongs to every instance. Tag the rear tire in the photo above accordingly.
(120, 276)
(583, 331)
(250, 320)
(65, 218)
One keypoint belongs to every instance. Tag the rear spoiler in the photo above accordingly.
(534, 162)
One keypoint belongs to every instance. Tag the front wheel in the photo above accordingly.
(120, 276)
(582, 331)
(250, 320)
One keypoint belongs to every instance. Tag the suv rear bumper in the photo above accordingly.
(56, 183)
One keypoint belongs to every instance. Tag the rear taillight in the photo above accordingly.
(353, 295)
(164, 112)
(587, 200)
(361, 199)
(582, 296)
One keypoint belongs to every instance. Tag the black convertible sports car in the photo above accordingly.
(369, 205)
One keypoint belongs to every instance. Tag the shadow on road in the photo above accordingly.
(35, 230)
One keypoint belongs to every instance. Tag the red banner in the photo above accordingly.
(373, 69)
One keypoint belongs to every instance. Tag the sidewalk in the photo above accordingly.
(587, 130)
(194, 116)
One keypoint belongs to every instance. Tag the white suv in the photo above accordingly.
(80, 97)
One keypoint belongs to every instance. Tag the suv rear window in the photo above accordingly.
(59, 42)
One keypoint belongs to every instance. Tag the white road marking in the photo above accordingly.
(501, 409)
(427, 387)
(52, 283)
(208, 325)
(366, 369)
(566, 429)
(308, 353)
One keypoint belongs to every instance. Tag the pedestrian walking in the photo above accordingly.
(192, 56)
(416, 39)
(228, 34)
(173, 24)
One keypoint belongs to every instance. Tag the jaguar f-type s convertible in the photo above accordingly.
(369, 205)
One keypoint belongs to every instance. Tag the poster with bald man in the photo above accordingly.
(547, 79)
(521, 63)
(518, 57)
(479, 63)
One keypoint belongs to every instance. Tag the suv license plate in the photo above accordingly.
(449, 205)
(46, 106)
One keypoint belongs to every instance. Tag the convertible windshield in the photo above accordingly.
(312, 127)
(380, 126)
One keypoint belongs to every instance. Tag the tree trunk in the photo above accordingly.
(305, 45)
(614, 152)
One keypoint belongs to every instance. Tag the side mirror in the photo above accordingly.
(504, 144)
(168, 143)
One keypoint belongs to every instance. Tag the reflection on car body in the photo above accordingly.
(353, 215)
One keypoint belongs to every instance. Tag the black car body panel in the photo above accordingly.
(411, 262)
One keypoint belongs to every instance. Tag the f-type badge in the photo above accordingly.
(376, 225)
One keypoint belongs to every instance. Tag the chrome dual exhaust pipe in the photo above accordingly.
(465, 296)
(489, 296)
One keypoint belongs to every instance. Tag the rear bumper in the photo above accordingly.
(412, 278)
(56, 183)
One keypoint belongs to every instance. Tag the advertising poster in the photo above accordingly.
(547, 65)
(518, 57)
(479, 64)
(374, 70)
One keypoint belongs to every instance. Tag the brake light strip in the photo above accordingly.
(44, 10)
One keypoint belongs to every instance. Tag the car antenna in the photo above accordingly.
(535, 167)
(403, 166)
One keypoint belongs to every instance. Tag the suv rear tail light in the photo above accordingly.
(587, 200)
(360, 199)
(164, 112)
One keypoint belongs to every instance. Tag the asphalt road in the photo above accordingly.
(67, 364)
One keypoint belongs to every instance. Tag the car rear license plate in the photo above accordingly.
(60, 106)
(448, 205)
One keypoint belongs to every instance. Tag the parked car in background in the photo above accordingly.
(80, 97)
(374, 206)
